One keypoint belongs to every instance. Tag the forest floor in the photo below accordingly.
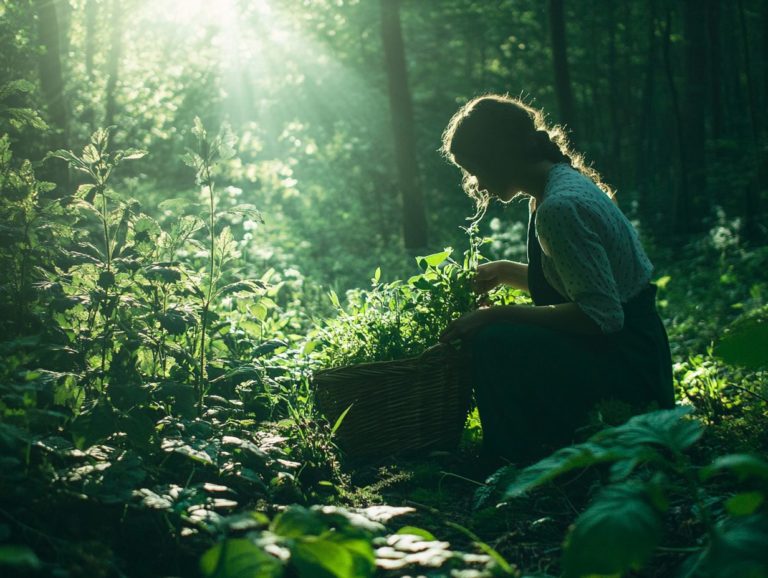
(458, 501)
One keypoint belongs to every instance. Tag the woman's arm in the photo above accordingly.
(495, 273)
(564, 317)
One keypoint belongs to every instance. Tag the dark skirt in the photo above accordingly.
(536, 387)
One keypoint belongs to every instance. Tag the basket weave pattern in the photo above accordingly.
(398, 406)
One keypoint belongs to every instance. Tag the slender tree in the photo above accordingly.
(645, 160)
(715, 69)
(563, 88)
(752, 189)
(679, 201)
(52, 81)
(401, 110)
(113, 62)
(91, 9)
(695, 113)
(614, 95)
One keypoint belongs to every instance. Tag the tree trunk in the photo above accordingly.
(695, 112)
(715, 69)
(646, 149)
(614, 98)
(679, 204)
(91, 9)
(764, 60)
(401, 110)
(752, 191)
(52, 82)
(113, 63)
(560, 62)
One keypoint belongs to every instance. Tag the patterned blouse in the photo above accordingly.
(591, 252)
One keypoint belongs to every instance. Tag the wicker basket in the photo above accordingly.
(402, 406)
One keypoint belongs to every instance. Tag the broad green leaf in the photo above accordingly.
(744, 503)
(317, 557)
(744, 466)
(93, 425)
(737, 550)
(309, 346)
(746, 344)
(422, 283)
(65, 155)
(667, 428)
(246, 210)
(18, 557)
(175, 322)
(239, 558)
(245, 286)
(90, 154)
(414, 531)
(617, 533)
(162, 274)
(349, 523)
(268, 347)
(133, 154)
(562, 461)
(177, 205)
(435, 259)
(226, 141)
(83, 190)
(298, 521)
(192, 159)
(200, 450)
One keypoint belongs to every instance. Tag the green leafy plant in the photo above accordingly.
(403, 318)
(648, 468)
(320, 542)
(745, 341)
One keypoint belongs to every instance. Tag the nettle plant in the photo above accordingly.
(140, 301)
(403, 318)
(648, 474)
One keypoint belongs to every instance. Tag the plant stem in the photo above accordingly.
(107, 321)
(101, 190)
(683, 467)
(207, 303)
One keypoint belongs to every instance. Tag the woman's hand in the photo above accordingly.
(488, 276)
(494, 273)
(464, 326)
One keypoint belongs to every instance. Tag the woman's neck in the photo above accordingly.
(537, 180)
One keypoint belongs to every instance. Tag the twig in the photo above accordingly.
(470, 480)
(749, 391)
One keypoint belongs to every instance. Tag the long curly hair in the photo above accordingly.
(492, 136)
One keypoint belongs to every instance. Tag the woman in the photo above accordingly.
(593, 333)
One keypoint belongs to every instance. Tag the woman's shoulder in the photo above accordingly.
(565, 181)
(569, 191)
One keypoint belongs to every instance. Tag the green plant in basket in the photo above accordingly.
(403, 318)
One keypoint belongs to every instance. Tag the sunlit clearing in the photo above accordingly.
(202, 11)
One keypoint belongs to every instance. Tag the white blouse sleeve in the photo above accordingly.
(580, 260)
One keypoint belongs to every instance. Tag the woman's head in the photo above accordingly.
(496, 139)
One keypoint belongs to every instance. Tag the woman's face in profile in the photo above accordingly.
(502, 193)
